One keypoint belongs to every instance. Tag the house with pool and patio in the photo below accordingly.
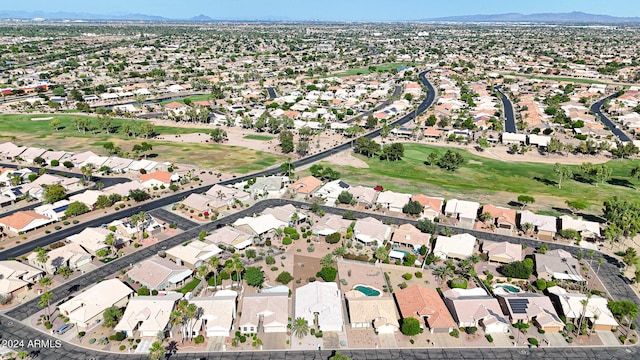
(426, 305)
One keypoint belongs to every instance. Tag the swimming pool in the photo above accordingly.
(508, 288)
(367, 290)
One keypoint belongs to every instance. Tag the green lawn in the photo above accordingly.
(190, 286)
(559, 78)
(485, 179)
(201, 97)
(380, 67)
(258, 137)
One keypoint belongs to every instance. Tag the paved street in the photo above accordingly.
(510, 119)
(172, 218)
(597, 110)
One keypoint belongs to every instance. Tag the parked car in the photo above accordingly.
(64, 328)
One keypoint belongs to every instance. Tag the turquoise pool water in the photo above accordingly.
(368, 291)
(511, 289)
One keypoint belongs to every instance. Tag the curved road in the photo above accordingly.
(397, 90)
(11, 326)
(596, 108)
(510, 119)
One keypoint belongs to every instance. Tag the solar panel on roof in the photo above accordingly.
(519, 306)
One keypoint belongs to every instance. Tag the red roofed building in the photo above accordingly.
(156, 178)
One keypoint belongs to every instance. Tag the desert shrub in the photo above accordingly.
(199, 339)
(407, 276)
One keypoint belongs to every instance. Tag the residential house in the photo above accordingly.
(529, 307)
(371, 231)
(229, 236)
(60, 156)
(474, 307)
(224, 197)
(198, 203)
(266, 185)
(330, 224)
(286, 213)
(544, 225)
(23, 221)
(502, 218)
(558, 264)
(123, 189)
(10, 151)
(31, 153)
(596, 311)
(589, 230)
(431, 206)
(365, 197)
(465, 211)
(16, 277)
(85, 309)
(426, 305)
(502, 252)
(306, 185)
(92, 240)
(71, 255)
(156, 273)
(266, 310)
(54, 211)
(457, 246)
(375, 312)
(320, 303)
(260, 225)
(409, 236)
(88, 197)
(392, 200)
(217, 314)
(193, 254)
(157, 179)
(331, 190)
(146, 316)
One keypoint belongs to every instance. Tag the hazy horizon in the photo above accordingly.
(327, 10)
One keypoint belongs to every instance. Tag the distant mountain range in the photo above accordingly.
(572, 17)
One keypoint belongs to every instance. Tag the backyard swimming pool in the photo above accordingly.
(508, 288)
(367, 290)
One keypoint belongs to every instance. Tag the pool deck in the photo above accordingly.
(366, 274)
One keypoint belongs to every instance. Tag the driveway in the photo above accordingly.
(502, 340)
(215, 343)
(608, 338)
(556, 339)
(144, 346)
(388, 341)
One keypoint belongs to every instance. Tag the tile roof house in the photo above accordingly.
(474, 307)
(544, 225)
(503, 218)
(123, 189)
(23, 221)
(15, 276)
(589, 230)
(409, 236)
(465, 211)
(193, 254)
(91, 239)
(331, 190)
(266, 310)
(502, 252)
(156, 178)
(432, 206)
(227, 193)
(87, 307)
(230, 237)
(217, 314)
(88, 197)
(306, 185)
(198, 202)
(529, 307)
(371, 231)
(320, 301)
(559, 265)
(330, 224)
(10, 150)
(259, 225)
(457, 246)
(364, 196)
(425, 304)
(71, 255)
(392, 200)
(146, 316)
(375, 312)
(597, 310)
(286, 213)
(53, 211)
(156, 273)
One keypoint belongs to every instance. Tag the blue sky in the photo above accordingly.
(338, 10)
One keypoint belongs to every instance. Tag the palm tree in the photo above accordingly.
(600, 261)
(138, 220)
(443, 273)
(110, 241)
(235, 265)
(176, 319)
(64, 271)
(45, 300)
(327, 260)
(202, 273)
(340, 251)
(156, 351)
(300, 327)
(42, 255)
(45, 282)
(214, 262)
(191, 313)
(584, 303)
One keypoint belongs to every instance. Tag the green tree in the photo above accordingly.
(412, 208)
(450, 160)
(53, 193)
(45, 302)
(327, 260)
(300, 327)
(345, 197)
(328, 273)
(576, 205)
(254, 276)
(393, 152)
(76, 208)
(138, 195)
(156, 351)
(286, 141)
(562, 172)
(366, 147)
(111, 316)
(218, 135)
(333, 238)
(284, 277)
(518, 269)
(410, 326)
(525, 200)
(372, 122)
(287, 168)
(381, 253)
(427, 226)
(55, 124)
(103, 202)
